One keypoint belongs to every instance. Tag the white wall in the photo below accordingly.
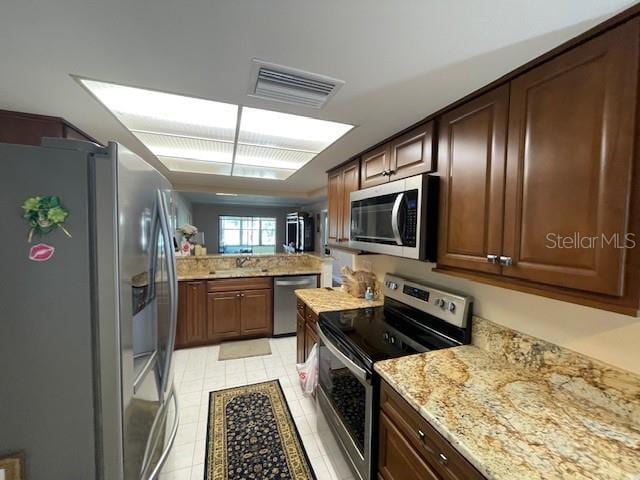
(183, 209)
(606, 336)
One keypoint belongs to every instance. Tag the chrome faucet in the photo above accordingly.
(240, 261)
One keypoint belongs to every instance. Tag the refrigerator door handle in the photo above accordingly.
(153, 253)
(169, 443)
(173, 288)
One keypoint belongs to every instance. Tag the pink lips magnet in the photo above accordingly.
(41, 252)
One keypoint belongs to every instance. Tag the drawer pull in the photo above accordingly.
(422, 436)
(442, 458)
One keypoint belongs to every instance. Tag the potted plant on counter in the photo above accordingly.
(188, 232)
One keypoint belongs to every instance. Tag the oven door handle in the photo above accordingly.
(395, 213)
(358, 371)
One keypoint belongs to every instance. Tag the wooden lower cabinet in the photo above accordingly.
(256, 312)
(398, 459)
(410, 448)
(310, 338)
(218, 310)
(306, 331)
(223, 316)
(300, 339)
(192, 314)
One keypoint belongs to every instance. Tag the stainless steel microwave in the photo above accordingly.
(397, 218)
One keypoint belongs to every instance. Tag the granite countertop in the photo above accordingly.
(252, 272)
(546, 414)
(324, 300)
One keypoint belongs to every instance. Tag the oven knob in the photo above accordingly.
(392, 285)
(392, 340)
(385, 337)
(439, 302)
(451, 307)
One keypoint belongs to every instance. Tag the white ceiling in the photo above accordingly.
(401, 60)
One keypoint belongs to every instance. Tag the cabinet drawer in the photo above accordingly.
(230, 284)
(300, 306)
(435, 449)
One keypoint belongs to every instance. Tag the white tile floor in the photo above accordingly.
(198, 372)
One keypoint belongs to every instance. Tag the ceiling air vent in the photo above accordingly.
(290, 85)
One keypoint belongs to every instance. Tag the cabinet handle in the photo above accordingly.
(442, 458)
(505, 261)
(422, 436)
(238, 295)
(492, 259)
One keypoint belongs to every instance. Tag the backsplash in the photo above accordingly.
(602, 384)
(205, 264)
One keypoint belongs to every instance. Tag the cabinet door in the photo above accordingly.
(412, 153)
(398, 460)
(310, 339)
(334, 208)
(569, 164)
(256, 313)
(192, 314)
(223, 315)
(374, 166)
(350, 183)
(300, 338)
(471, 162)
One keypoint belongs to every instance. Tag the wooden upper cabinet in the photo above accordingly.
(342, 181)
(256, 312)
(350, 183)
(412, 153)
(28, 128)
(223, 315)
(191, 326)
(471, 163)
(374, 166)
(334, 208)
(569, 164)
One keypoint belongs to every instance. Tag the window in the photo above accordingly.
(247, 234)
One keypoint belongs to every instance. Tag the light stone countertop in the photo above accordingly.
(251, 272)
(520, 408)
(323, 300)
(212, 267)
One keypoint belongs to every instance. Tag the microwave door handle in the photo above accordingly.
(395, 214)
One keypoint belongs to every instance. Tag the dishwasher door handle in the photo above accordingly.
(293, 283)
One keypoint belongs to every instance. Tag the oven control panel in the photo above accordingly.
(452, 307)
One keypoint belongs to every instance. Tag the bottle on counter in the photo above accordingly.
(368, 295)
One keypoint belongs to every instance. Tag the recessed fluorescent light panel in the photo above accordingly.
(202, 136)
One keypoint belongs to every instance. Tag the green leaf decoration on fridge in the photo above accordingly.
(44, 214)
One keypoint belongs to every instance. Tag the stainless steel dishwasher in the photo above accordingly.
(284, 301)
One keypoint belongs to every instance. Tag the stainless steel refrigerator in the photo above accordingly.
(88, 312)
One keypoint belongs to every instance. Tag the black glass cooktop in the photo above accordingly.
(374, 334)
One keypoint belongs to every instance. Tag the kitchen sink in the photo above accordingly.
(239, 271)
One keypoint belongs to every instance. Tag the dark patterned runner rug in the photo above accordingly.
(251, 435)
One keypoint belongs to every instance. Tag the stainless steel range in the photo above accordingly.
(415, 318)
